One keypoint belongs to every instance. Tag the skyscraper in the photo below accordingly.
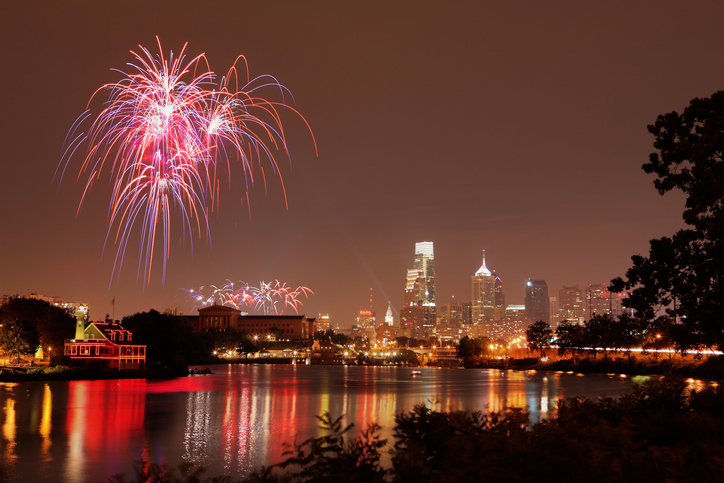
(451, 314)
(601, 301)
(554, 312)
(483, 295)
(425, 264)
(420, 292)
(366, 319)
(537, 304)
(499, 295)
(571, 304)
(414, 287)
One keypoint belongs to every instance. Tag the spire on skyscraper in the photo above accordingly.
(483, 295)
(483, 270)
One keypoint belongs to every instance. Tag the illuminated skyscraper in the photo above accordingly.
(483, 295)
(389, 318)
(571, 304)
(365, 319)
(537, 304)
(425, 264)
(414, 287)
(499, 295)
(323, 323)
(554, 312)
(499, 298)
(420, 291)
(600, 301)
(451, 314)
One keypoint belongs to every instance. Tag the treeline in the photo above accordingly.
(682, 276)
(604, 334)
(26, 324)
(660, 432)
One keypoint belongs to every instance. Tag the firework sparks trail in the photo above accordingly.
(167, 133)
(269, 298)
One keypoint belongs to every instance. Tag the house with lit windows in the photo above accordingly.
(325, 352)
(105, 342)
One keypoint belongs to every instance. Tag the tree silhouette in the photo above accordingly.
(19, 336)
(539, 336)
(570, 337)
(683, 275)
(53, 324)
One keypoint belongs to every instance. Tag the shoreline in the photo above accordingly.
(711, 369)
(69, 373)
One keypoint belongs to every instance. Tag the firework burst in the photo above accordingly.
(269, 298)
(169, 131)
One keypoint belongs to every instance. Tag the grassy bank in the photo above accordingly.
(72, 373)
(709, 368)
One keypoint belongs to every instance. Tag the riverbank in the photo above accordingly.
(80, 373)
(709, 368)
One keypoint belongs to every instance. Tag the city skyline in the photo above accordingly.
(518, 128)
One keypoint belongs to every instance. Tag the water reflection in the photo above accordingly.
(235, 420)
(45, 425)
(197, 427)
(9, 456)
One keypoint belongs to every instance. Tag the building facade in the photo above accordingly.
(425, 264)
(419, 314)
(537, 304)
(366, 319)
(451, 314)
(601, 301)
(105, 342)
(571, 305)
(483, 295)
(221, 317)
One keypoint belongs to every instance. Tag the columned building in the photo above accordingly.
(221, 317)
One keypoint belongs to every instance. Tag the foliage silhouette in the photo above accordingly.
(539, 336)
(683, 275)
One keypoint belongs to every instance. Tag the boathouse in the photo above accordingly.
(105, 342)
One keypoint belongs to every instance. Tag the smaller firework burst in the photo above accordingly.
(269, 298)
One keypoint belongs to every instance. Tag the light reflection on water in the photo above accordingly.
(237, 419)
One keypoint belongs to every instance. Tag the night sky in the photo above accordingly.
(517, 127)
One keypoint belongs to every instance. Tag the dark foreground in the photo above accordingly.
(660, 432)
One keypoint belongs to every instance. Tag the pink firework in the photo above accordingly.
(269, 298)
(167, 134)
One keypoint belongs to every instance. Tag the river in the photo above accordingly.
(238, 418)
